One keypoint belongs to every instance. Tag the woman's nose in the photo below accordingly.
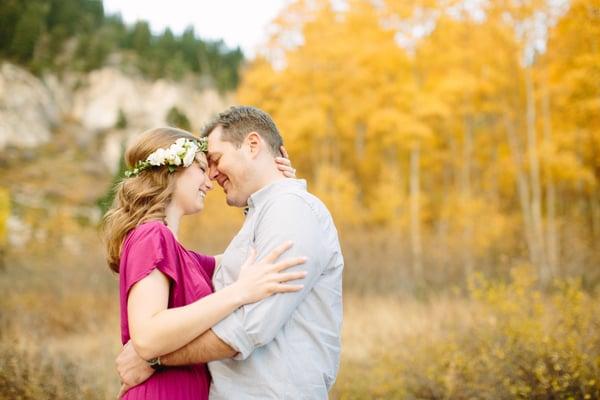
(208, 184)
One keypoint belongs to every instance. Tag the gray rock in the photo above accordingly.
(28, 112)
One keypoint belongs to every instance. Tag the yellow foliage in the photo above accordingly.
(488, 224)
(387, 202)
(439, 98)
(4, 214)
(338, 190)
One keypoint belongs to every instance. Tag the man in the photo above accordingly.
(288, 345)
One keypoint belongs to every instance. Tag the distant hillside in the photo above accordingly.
(67, 35)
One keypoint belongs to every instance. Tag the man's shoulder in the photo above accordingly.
(296, 209)
(295, 199)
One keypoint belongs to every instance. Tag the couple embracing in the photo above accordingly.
(260, 321)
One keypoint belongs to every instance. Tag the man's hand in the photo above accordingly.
(132, 368)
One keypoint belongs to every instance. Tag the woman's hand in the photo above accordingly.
(261, 279)
(285, 165)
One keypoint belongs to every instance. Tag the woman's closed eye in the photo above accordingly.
(203, 167)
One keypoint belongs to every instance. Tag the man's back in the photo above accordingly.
(289, 344)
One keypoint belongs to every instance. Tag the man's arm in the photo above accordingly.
(134, 370)
(288, 217)
(206, 347)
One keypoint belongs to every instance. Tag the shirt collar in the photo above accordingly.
(283, 185)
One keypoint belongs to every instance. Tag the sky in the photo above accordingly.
(238, 22)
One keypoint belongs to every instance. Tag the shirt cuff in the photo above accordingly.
(231, 331)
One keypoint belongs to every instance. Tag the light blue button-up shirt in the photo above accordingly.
(289, 343)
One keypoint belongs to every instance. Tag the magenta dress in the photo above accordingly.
(152, 245)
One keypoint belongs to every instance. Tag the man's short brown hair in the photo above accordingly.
(238, 121)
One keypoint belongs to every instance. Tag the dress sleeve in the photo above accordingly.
(147, 248)
(208, 263)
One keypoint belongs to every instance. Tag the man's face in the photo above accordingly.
(229, 167)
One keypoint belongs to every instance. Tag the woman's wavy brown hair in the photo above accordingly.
(140, 198)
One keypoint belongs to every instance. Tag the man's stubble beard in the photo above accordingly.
(233, 203)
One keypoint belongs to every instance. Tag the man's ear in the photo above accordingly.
(254, 143)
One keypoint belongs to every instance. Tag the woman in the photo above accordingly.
(166, 293)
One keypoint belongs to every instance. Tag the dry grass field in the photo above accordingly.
(59, 335)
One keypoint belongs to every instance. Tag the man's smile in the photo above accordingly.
(222, 182)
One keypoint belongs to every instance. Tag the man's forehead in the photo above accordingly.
(211, 156)
(211, 150)
(214, 138)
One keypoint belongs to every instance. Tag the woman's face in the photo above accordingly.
(191, 186)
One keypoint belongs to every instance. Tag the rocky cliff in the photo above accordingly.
(60, 143)
(32, 108)
(28, 109)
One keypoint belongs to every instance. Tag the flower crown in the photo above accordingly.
(182, 152)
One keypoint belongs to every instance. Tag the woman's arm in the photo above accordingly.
(156, 330)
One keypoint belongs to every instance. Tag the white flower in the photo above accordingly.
(190, 154)
(157, 158)
(172, 157)
(178, 148)
(182, 152)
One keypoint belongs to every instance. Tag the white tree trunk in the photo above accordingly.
(522, 187)
(465, 184)
(534, 175)
(415, 211)
(552, 241)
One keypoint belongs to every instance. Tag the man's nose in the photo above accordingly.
(212, 172)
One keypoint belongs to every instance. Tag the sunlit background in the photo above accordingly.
(456, 143)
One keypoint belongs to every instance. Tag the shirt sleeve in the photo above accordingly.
(149, 247)
(208, 263)
(288, 217)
